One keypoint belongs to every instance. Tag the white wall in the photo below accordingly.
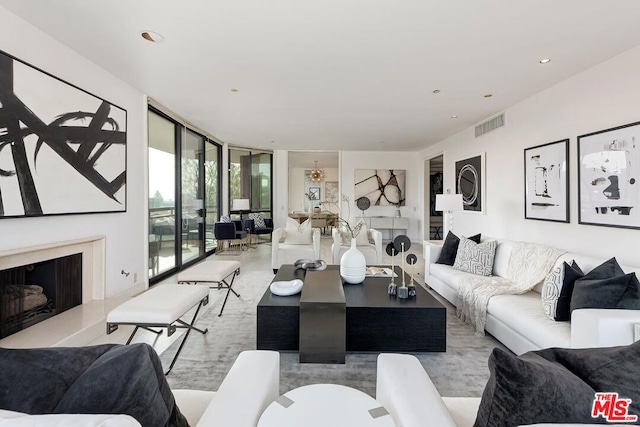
(298, 186)
(602, 97)
(125, 232)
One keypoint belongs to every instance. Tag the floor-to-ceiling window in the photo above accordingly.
(212, 155)
(184, 195)
(162, 194)
(250, 173)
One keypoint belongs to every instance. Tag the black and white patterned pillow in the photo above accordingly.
(557, 291)
(551, 291)
(258, 220)
(475, 258)
(225, 218)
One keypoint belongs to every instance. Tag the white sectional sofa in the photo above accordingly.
(519, 321)
(406, 391)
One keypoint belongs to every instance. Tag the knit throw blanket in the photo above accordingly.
(529, 263)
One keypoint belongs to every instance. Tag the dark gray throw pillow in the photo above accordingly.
(607, 286)
(557, 385)
(563, 307)
(105, 379)
(450, 248)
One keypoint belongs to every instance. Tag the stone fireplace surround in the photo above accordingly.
(79, 325)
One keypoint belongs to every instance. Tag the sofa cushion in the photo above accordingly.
(476, 258)
(450, 248)
(557, 290)
(501, 260)
(524, 315)
(607, 286)
(557, 385)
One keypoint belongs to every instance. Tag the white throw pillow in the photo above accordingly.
(362, 239)
(475, 258)
(551, 291)
(298, 234)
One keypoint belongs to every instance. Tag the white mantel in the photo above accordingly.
(93, 261)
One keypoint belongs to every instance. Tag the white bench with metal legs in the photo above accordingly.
(161, 306)
(214, 271)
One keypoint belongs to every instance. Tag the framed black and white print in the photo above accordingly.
(470, 183)
(62, 149)
(546, 182)
(609, 177)
(314, 193)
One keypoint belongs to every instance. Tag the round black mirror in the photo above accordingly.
(400, 240)
(363, 203)
(391, 250)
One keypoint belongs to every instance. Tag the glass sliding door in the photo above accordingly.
(261, 183)
(162, 194)
(250, 178)
(192, 208)
(211, 191)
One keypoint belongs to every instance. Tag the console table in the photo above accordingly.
(387, 223)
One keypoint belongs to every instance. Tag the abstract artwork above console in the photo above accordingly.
(383, 187)
(608, 174)
(546, 182)
(62, 149)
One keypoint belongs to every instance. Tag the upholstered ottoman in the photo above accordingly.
(161, 306)
(214, 271)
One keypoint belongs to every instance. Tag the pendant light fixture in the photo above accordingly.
(316, 175)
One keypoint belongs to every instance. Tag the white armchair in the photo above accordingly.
(372, 251)
(252, 383)
(293, 243)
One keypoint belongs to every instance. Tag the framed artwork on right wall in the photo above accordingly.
(546, 182)
(608, 177)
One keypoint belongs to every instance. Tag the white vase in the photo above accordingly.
(353, 265)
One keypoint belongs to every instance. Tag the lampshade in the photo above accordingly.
(448, 202)
(242, 205)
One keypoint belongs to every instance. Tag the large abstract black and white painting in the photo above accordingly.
(383, 187)
(62, 149)
(470, 182)
(608, 177)
(546, 183)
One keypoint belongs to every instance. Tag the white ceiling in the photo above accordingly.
(306, 159)
(339, 74)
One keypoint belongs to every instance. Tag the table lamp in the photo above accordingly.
(449, 203)
(241, 205)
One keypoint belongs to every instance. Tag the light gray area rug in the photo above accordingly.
(460, 371)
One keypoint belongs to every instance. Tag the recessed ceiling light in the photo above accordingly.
(152, 36)
(436, 91)
(489, 95)
(454, 117)
(234, 90)
(545, 61)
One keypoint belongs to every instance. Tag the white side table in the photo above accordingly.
(322, 405)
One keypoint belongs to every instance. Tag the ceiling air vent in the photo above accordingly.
(490, 125)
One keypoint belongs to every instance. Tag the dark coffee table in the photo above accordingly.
(375, 321)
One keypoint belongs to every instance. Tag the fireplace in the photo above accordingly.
(32, 293)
